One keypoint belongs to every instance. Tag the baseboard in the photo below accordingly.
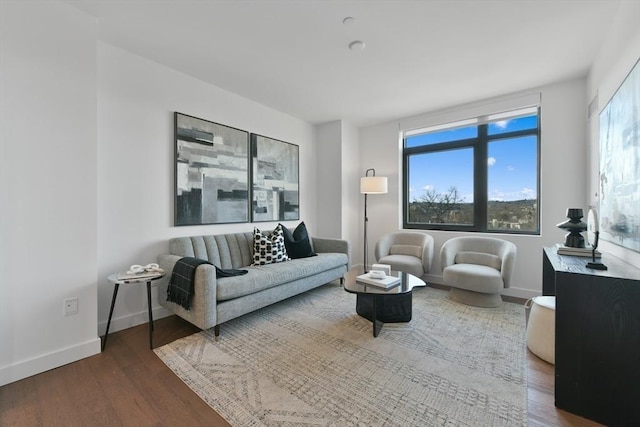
(432, 278)
(131, 320)
(45, 362)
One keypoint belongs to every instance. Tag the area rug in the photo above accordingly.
(311, 360)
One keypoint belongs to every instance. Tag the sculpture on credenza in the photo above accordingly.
(593, 235)
(574, 226)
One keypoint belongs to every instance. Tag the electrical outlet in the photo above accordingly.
(70, 306)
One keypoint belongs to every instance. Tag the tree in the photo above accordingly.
(438, 207)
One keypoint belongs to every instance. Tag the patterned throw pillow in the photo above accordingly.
(269, 249)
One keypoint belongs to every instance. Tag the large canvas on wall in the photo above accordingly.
(274, 172)
(212, 172)
(620, 165)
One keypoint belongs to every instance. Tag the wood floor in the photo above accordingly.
(127, 385)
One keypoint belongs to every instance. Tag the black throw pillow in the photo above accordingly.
(297, 243)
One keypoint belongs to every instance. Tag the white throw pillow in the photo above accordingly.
(411, 250)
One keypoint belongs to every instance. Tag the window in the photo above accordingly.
(480, 174)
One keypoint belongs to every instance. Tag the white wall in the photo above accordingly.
(48, 179)
(563, 176)
(617, 56)
(136, 102)
(351, 173)
(329, 191)
(338, 190)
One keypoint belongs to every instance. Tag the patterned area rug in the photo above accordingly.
(311, 360)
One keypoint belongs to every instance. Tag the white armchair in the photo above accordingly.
(477, 269)
(408, 251)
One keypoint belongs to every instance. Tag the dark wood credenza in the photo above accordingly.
(597, 348)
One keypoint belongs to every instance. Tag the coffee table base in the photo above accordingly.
(394, 308)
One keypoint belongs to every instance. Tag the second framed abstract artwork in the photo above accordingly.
(275, 180)
(211, 172)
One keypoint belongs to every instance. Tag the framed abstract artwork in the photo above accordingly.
(274, 176)
(211, 172)
(620, 165)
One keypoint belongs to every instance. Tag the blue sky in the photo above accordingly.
(512, 163)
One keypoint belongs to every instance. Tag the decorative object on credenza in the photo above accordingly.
(370, 185)
(593, 235)
(619, 204)
(583, 252)
(574, 226)
(211, 172)
(275, 172)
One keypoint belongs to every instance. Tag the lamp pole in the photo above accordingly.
(366, 220)
(370, 184)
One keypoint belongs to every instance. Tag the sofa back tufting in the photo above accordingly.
(234, 250)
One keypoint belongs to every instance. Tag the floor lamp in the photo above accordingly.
(370, 185)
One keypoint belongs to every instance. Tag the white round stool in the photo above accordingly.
(541, 327)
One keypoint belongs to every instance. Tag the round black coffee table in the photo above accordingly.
(382, 306)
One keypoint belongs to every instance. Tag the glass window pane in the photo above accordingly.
(511, 125)
(441, 136)
(441, 187)
(513, 184)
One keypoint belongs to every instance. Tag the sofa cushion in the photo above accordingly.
(473, 277)
(269, 275)
(269, 249)
(297, 242)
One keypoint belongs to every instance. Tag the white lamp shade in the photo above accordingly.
(373, 184)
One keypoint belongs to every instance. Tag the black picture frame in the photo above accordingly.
(275, 172)
(211, 172)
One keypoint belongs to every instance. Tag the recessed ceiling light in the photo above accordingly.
(356, 45)
(348, 20)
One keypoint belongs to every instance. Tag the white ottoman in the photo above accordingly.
(541, 328)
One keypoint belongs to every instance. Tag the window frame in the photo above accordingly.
(480, 146)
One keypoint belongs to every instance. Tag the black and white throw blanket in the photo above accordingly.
(182, 281)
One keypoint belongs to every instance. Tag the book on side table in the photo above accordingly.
(387, 282)
(140, 275)
(567, 250)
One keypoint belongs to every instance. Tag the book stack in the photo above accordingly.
(387, 282)
(584, 252)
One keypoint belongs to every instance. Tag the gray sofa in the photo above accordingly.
(216, 301)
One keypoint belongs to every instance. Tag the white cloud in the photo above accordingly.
(491, 161)
(428, 187)
(528, 193)
(501, 124)
(511, 168)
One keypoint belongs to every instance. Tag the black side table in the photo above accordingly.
(121, 281)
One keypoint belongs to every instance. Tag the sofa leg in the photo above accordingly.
(342, 281)
(216, 332)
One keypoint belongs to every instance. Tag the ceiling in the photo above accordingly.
(419, 56)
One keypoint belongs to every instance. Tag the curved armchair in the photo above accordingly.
(477, 269)
(411, 252)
